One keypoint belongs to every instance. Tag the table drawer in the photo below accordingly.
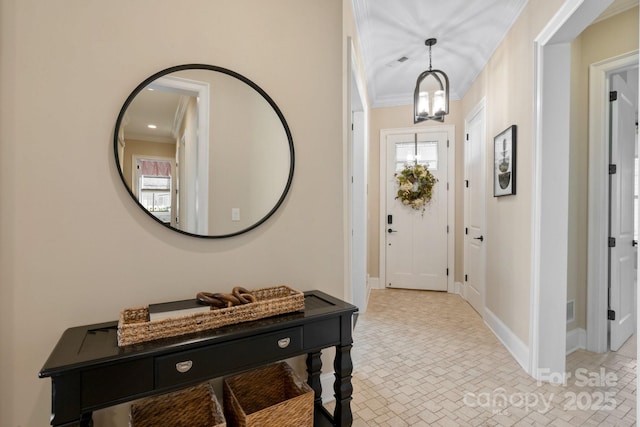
(209, 362)
(106, 384)
(322, 334)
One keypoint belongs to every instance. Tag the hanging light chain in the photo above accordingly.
(430, 43)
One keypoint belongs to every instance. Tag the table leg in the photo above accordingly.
(314, 369)
(342, 386)
(86, 420)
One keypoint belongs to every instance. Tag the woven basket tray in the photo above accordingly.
(134, 326)
(192, 407)
(269, 396)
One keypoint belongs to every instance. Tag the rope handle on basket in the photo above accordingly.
(238, 296)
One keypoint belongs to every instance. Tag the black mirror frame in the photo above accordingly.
(243, 79)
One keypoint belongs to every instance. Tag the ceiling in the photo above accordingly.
(468, 32)
(157, 108)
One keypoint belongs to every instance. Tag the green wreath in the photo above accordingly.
(415, 186)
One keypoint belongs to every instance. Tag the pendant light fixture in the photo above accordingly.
(431, 96)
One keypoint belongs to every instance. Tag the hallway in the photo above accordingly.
(426, 358)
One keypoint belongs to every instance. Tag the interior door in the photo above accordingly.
(416, 241)
(622, 254)
(474, 194)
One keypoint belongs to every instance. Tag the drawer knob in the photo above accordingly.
(284, 342)
(184, 366)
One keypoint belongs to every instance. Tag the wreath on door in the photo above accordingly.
(415, 186)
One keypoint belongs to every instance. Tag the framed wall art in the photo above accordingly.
(504, 163)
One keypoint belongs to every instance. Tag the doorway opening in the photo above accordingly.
(192, 149)
(154, 184)
(623, 242)
(613, 195)
(550, 190)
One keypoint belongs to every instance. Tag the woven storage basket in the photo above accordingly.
(269, 396)
(134, 326)
(192, 407)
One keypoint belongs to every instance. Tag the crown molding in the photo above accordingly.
(617, 7)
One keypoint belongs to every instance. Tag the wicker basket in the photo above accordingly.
(269, 396)
(192, 407)
(134, 326)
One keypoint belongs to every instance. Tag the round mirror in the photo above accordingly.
(204, 151)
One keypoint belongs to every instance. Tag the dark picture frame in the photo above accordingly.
(504, 162)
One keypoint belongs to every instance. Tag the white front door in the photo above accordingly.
(622, 254)
(474, 195)
(416, 241)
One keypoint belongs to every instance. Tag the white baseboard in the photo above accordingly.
(367, 294)
(576, 339)
(457, 288)
(518, 349)
(374, 283)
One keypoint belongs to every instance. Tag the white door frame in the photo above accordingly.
(550, 190)
(597, 296)
(479, 109)
(357, 290)
(451, 164)
(199, 171)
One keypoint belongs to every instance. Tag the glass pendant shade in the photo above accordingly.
(431, 96)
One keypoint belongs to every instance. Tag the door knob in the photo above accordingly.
(634, 243)
(481, 238)
(392, 231)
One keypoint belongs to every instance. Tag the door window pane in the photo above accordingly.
(427, 154)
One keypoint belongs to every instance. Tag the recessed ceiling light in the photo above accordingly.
(152, 126)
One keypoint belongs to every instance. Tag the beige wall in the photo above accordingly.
(74, 249)
(402, 117)
(248, 164)
(605, 39)
(507, 84)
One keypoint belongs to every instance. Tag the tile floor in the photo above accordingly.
(427, 359)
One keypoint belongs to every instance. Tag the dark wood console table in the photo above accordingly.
(89, 371)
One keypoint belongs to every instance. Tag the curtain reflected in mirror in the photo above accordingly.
(203, 150)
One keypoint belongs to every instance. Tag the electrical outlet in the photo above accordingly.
(235, 214)
(571, 314)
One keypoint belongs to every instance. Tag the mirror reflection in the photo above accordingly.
(204, 151)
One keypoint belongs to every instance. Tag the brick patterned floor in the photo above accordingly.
(427, 359)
